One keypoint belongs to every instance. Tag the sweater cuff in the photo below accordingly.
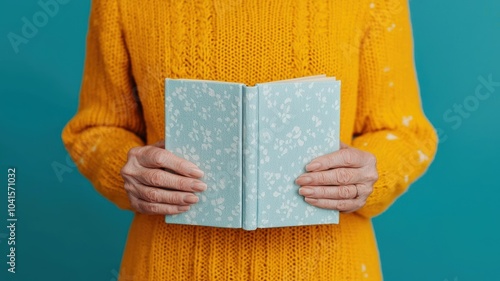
(102, 160)
(108, 181)
(399, 163)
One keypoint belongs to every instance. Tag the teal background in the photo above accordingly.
(446, 227)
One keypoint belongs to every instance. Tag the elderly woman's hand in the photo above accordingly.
(341, 180)
(160, 183)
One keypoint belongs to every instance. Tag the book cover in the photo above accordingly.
(252, 143)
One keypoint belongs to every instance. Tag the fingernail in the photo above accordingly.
(190, 199)
(303, 180)
(199, 186)
(183, 208)
(313, 166)
(305, 191)
(195, 172)
(310, 200)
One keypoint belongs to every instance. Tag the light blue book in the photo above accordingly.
(252, 143)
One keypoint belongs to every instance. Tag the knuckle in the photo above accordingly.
(328, 161)
(358, 204)
(345, 192)
(373, 176)
(324, 177)
(150, 208)
(156, 178)
(178, 166)
(157, 158)
(344, 176)
(173, 198)
(342, 205)
(134, 151)
(320, 192)
(134, 204)
(347, 157)
(152, 196)
(128, 187)
(183, 184)
(320, 178)
(131, 199)
(167, 154)
(125, 171)
(141, 206)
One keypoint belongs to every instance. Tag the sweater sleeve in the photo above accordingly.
(390, 122)
(109, 120)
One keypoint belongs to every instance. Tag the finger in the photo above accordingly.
(364, 190)
(349, 205)
(155, 157)
(330, 192)
(162, 179)
(339, 176)
(144, 207)
(162, 196)
(345, 157)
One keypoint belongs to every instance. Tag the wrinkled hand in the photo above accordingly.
(341, 180)
(160, 183)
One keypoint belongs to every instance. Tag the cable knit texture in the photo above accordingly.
(134, 45)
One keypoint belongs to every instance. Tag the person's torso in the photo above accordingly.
(242, 41)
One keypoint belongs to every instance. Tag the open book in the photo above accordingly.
(252, 143)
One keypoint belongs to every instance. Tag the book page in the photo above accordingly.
(321, 77)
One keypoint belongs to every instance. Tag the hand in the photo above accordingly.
(341, 180)
(158, 182)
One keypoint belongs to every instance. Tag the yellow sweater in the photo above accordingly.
(134, 45)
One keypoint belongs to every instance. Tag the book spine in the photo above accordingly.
(250, 157)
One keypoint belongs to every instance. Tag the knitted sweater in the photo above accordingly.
(133, 45)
